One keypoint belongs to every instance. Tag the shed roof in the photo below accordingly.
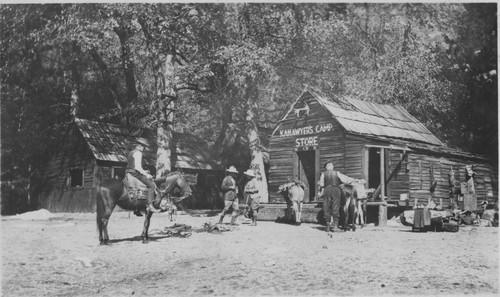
(372, 119)
(109, 142)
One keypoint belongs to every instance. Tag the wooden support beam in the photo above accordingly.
(382, 172)
(382, 215)
(393, 173)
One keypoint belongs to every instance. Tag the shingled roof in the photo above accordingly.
(372, 119)
(109, 142)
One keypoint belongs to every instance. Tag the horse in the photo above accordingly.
(349, 206)
(112, 192)
(294, 196)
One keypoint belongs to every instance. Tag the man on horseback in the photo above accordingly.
(330, 182)
(229, 190)
(134, 167)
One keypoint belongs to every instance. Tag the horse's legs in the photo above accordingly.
(147, 220)
(345, 209)
(99, 226)
(360, 216)
(288, 212)
(105, 207)
(298, 212)
(99, 212)
(353, 215)
(295, 208)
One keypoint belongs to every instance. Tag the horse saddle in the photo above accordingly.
(136, 189)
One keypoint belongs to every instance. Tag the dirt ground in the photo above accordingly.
(61, 256)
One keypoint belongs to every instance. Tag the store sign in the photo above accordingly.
(306, 130)
(306, 142)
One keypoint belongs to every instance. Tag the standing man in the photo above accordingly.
(253, 196)
(134, 167)
(229, 190)
(330, 182)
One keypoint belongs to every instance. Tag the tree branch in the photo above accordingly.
(193, 87)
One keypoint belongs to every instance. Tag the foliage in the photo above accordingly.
(239, 66)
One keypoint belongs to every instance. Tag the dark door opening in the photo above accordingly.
(373, 167)
(307, 172)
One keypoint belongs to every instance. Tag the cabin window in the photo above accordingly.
(76, 177)
(118, 172)
(200, 181)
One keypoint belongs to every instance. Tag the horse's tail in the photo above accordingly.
(99, 207)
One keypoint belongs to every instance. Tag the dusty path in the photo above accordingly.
(61, 257)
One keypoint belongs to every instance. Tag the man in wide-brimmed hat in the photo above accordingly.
(253, 196)
(134, 167)
(229, 189)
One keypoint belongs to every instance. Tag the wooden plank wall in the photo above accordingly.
(420, 178)
(353, 161)
(281, 149)
(332, 148)
(348, 155)
(57, 195)
(400, 183)
(281, 166)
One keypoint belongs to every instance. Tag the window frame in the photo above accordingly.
(73, 173)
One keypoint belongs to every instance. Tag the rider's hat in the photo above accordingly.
(142, 141)
(250, 172)
(232, 169)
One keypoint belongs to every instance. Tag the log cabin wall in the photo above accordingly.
(353, 157)
(400, 182)
(356, 158)
(297, 133)
(62, 192)
(92, 151)
(368, 140)
(420, 178)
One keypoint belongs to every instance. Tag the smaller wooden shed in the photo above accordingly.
(91, 151)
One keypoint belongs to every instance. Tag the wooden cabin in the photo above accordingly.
(91, 151)
(382, 144)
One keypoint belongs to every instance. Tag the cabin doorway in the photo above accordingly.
(374, 172)
(305, 170)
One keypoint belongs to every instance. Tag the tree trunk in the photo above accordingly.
(167, 95)
(75, 82)
(218, 147)
(110, 84)
(257, 160)
(123, 33)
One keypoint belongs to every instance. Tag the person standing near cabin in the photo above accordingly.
(330, 181)
(252, 196)
(229, 189)
(134, 167)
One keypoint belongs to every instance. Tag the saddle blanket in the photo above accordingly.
(136, 193)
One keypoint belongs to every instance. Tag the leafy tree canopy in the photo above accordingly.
(237, 68)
